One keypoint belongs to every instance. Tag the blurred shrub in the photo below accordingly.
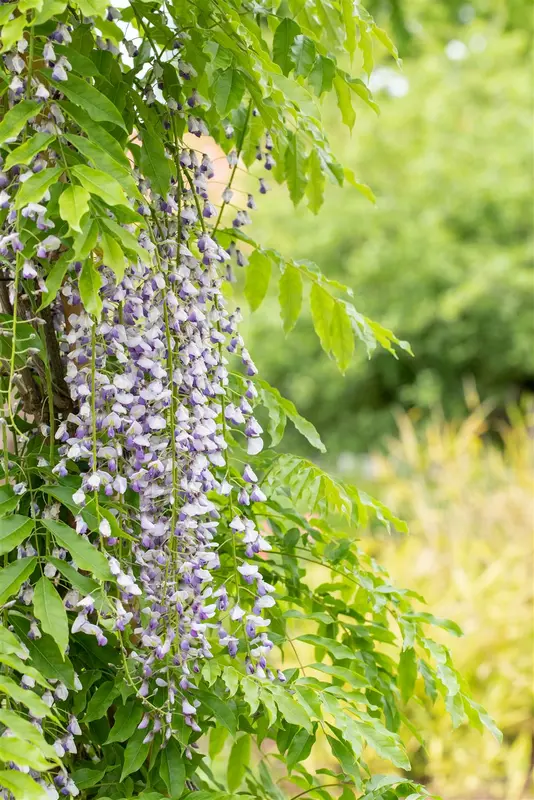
(469, 504)
(443, 259)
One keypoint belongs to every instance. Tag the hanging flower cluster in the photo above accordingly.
(151, 415)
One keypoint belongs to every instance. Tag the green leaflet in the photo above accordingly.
(316, 182)
(322, 75)
(13, 576)
(284, 37)
(105, 161)
(84, 554)
(26, 697)
(26, 152)
(295, 162)
(127, 718)
(10, 644)
(100, 701)
(135, 753)
(28, 732)
(336, 649)
(90, 283)
(322, 307)
(55, 278)
(128, 240)
(407, 673)
(35, 187)
(290, 296)
(27, 756)
(13, 530)
(49, 609)
(97, 134)
(100, 184)
(341, 336)
(306, 428)
(228, 90)
(21, 786)
(303, 55)
(344, 101)
(12, 32)
(154, 163)
(45, 655)
(238, 762)
(257, 278)
(74, 205)
(97, 105)
(113, 256)
(172, 768)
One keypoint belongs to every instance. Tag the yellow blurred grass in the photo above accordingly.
(469, 502)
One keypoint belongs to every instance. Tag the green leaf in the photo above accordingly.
(290, 296)
(21, 786)
(100, 701)
(13, 531)
(13, 576)
(26, 152)
(295, 168)
(97, 134)
(86, 241)
(386, 744)
(89, 284)
(361, 187)
(105, 161)
(49, 610)
(84, 554)
(45, 655)
(304, 426)
(172, 768)
(228, 90)
(238, 762)
(100, 184)
(127, 718)
(26, 731)
(316, 182)
(300, 748)
(97, 105)
(129, 241)
(251, 693)
(322, 75)
(284, 37)
(303, 54)
(113, 255)
(322, 308)
(10, 644)
(93, 8)
(258, 276)
(78, 581)
(359, 88)
(9, 505)
(154, 163)
(73, 205)
(407, 673)
(222, 711)
(218, 736)
(349, 21)
(290, 709)
(55, 278)
(336, 649)
(355, 680)
(341, 336)
(12, 31)
(344, 101)
(49, 10)
(26, 756)
(26, 697)
(135, 753)
(231, 678)
(32, 190)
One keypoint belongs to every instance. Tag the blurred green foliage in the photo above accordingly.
(444, 257)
